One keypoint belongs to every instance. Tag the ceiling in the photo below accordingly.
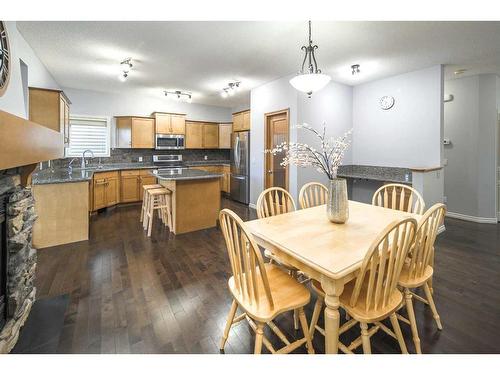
(202, 57)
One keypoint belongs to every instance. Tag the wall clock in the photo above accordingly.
(4, 58)
(386, 102)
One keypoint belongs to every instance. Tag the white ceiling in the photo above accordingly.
(202, 57)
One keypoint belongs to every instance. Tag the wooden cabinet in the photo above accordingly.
(210, 135)
(226, 178)
(169, 123)
(241, 121)
(225, 131)
(202, 134)
(50, 108)
(135, 132)
(130, 186)
(105, 190)
(194, 134)
(132, 181)
(225, 170)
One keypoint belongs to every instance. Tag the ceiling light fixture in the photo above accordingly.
(179, 95)
(459, 71)
(310, 79)
(355, 69)
(231, 89)
(125, 67)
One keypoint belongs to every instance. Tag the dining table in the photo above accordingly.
(328, 252)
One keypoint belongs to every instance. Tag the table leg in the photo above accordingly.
(333, 289)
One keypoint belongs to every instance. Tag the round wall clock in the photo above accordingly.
(4, 58)
(386, 102)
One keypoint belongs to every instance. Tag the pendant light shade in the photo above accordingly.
(310, 79)
(310, 82)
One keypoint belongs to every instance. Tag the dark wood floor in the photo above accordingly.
(168, 294)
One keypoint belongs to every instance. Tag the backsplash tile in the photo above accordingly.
(121, 155)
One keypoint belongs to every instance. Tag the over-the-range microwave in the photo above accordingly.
(169, 142)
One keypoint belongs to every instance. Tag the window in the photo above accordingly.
(88, 133)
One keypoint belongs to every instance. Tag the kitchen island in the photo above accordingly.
(195, 198)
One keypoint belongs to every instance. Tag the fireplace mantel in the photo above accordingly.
(25, 142)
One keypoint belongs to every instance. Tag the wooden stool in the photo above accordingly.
(145, 199)
(158, 199)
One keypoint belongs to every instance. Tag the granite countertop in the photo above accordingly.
(186, 174)
(207, 162)
(385, 174)
(63, 175)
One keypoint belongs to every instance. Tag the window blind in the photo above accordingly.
(88, 133)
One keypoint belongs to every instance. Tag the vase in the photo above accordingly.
(337, 205)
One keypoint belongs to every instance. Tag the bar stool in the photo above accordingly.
(145, 199)
(160, 200)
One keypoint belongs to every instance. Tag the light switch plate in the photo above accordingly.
(140, 158)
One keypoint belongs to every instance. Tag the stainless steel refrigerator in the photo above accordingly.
(240, 167)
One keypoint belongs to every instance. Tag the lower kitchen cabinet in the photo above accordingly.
(105, 190)
(111, 188)
(225, 170)
(130, 186)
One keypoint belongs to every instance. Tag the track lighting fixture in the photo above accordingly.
(179, 95)
(125, 68)
(231, 89)
(355, 69)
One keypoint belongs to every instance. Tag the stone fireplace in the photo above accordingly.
(17, 256)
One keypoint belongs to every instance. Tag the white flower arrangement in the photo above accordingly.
(326, 161)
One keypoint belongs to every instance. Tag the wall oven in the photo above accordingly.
(169, 142)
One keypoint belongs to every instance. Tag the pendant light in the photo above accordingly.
(310, 78)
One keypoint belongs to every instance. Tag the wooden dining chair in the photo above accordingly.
(418, 268)
(271, 202)
(274, 201)
(399, 197)
(262, 290)
(373, 295)
(313, 194)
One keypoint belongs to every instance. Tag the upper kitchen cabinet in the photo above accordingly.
(194, 134)
(135, 132)
(202, 134)
(170, 123)
(225, 131)
(210, 135)
(50, 108)
(241, 121)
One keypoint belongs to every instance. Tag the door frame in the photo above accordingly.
(267, 115)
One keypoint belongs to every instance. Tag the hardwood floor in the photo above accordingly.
(168, 294)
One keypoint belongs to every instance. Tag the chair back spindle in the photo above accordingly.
(246, 261)
(274, 201)
(313, 194)
(399, 197)
(422, 252)
(383, 264)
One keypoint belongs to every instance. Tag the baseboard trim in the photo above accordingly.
(251, 205)
(474, 219)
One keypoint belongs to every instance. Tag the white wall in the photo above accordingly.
(38, 76)
(472, 127)
(96, 103)
(332, 105)
(270, 97)
(409, 134)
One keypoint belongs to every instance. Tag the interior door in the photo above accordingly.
(277, 131)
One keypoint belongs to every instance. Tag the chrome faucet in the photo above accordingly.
(70, 166)
(83, 157)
